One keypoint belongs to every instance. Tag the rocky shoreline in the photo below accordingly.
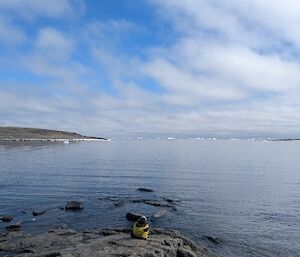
(67, 242)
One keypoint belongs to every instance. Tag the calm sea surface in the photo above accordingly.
(246, 193)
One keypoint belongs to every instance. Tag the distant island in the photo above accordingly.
(36, 134)
(284, 139)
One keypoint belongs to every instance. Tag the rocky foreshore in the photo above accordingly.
(67, 242)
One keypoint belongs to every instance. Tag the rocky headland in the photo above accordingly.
(36, 134)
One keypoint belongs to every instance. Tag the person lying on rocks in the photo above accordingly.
(140, 228)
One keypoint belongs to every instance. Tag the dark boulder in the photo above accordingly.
(133, 216)
(213, 239)
(14, 227)
(74, 206)
(6, 218)
(145, 189)
(38, 212)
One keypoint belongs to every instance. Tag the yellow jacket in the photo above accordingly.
(140, 232)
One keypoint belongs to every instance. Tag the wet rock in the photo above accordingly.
(213, 239)
(38, 212)
(14, 227)
(172, 201)
(169, 200)
(116, 201)
(142, 189)
(181, 252)
(119, 203)
(155, 203)
(6, 218)
(158, 203)
(133, 216)
(159, 213)
(74, 205)
(109, 232)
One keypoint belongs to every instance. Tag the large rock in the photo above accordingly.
(133, 216)
(74, 205)
(100, 243)
(38, 212)
(214, 239)
(14, 227)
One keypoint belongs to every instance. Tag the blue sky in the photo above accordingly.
(153, 66)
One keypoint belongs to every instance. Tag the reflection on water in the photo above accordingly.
(244, 192)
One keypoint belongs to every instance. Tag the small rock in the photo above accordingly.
(214, 240)
(14, 227)
(145, 189)
(119, 203)
(38, 212)
(133, 216)
(166, 242)
(27, 251)
(159, 213)
(185, 253)
(6, 218)
(108, 232)
(155, 203)
(169, 200)
(52, 254)
(74, 205)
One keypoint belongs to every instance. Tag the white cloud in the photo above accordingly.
(11, 34)
(224, 69)
(248, 22)
(240, 66)
(54, 42)
(30, 9)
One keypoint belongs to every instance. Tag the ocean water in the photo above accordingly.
(246, 193)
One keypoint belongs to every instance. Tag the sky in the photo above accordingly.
(126, 67)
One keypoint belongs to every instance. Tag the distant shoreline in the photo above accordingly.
(17, 134)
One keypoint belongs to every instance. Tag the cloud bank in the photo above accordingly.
(190, 67)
